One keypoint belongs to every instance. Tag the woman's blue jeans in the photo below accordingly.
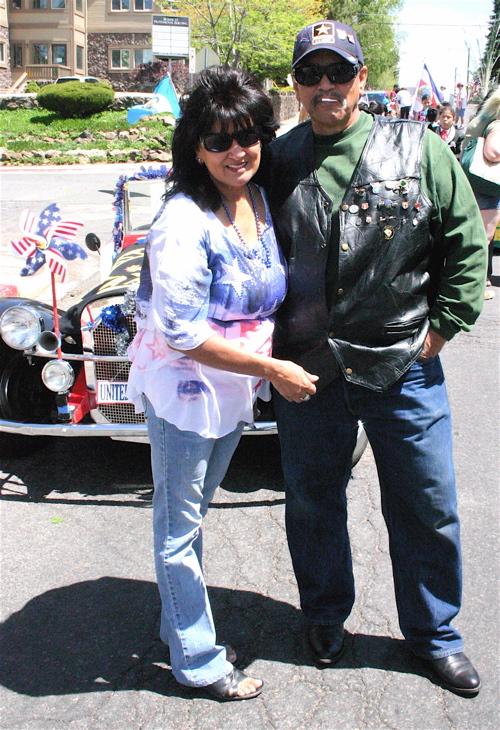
(409, 429)
(187, 469)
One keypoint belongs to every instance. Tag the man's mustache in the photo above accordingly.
(330, 95)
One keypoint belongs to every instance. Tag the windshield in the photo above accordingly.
(143, 200)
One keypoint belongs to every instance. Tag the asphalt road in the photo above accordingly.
(86, 192)
(80, 610)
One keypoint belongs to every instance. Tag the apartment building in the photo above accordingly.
(46, 39)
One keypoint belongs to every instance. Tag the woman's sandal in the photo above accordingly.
(226, 688)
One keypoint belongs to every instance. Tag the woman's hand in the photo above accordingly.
(292, 381)
(289, 379)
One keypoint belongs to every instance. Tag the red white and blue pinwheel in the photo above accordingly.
(48, 238)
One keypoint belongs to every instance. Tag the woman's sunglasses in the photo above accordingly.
(337, 73)
(222, 141)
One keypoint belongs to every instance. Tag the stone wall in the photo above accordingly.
(5, 74)
(122, 100)
(98, 55)
(285, 104)
(18, 101)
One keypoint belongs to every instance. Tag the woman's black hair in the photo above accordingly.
(228, 96)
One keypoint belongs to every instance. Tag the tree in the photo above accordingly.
(373, 21)
(490, 63)
(251, 34)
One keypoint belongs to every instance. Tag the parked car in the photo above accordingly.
(376, 95)
(83, 391)
(83, 79)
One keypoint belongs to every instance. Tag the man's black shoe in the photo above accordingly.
(457, 674)
(327, 643)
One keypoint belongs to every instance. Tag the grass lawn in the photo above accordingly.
(27, 130)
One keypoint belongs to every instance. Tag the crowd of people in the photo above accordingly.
(333, 263)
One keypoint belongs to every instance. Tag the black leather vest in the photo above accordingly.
(378, 321)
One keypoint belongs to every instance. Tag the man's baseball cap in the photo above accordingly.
(331, 36)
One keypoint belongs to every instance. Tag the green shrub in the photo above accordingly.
(75, 99)
(32, 87)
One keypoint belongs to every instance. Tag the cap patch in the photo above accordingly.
(323, 33)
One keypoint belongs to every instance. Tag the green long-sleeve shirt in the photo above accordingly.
(455, 220)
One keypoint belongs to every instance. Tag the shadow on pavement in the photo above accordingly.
(102, 635)
(112, 473)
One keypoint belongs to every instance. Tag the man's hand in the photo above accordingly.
(433, 345)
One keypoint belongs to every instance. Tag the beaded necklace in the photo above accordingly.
(246, 249)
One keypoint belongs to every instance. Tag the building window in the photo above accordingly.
(142, 55)
(16, 4)
(59, 53)
(120, 4)
(57, 4)
(79, 6)
(40, 4)
(79, 57)
(143, 5)
(120, 58)
(17, 56)
(40, 53)
(2, 52)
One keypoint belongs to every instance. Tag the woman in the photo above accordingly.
(486, 124)
(212, 278)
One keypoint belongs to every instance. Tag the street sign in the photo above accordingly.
(170, 36)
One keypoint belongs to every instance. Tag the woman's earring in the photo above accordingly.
(199, 161)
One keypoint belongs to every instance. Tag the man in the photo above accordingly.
(387, 261)
(460, 104)
(445, 96)
(403, 103)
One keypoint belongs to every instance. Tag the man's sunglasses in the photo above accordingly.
(337, 73)
(222, 141)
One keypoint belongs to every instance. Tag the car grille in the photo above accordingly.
(104, 344)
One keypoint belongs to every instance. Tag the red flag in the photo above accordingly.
(425, 85)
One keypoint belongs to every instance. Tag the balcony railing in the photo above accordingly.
(47, 72)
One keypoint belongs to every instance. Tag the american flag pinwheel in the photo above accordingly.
(48, 238)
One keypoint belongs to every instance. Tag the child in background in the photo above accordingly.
(432, 119)
(447, 129)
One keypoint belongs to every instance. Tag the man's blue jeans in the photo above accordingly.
(187, 469)
(409, 429)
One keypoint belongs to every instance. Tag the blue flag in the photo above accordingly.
(164, 101)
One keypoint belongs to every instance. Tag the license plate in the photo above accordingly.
(112, 392)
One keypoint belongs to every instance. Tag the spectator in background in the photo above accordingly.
(377, 108)
(445, 95)
(460, 104)
(421, 115)
(432, 118)
(447, 129)
(403, 103)
(486, 124)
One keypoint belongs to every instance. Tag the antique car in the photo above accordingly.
(64, 373)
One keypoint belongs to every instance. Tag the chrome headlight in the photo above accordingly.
(58, 376)
(20, 326)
